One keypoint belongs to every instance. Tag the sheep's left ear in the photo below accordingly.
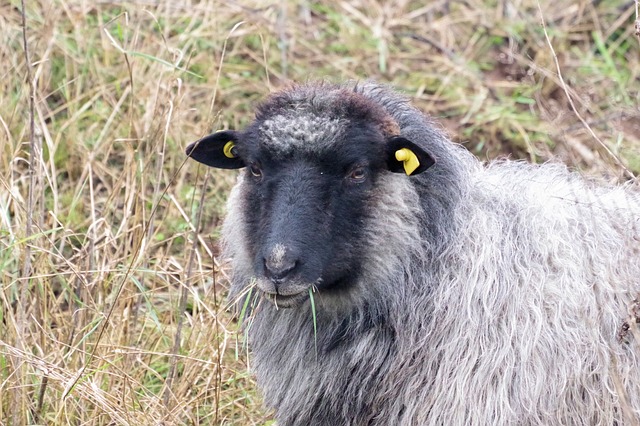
(405, 156)
(217, 150)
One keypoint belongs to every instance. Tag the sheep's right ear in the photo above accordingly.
(405, 156)
(217, 150)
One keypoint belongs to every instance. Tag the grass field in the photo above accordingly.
(112, 298)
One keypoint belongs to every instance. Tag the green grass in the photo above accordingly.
(112, 272)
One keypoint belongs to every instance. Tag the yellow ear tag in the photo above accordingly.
(409, 159)
(227, 149)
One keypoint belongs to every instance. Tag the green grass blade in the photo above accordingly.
(315, 322)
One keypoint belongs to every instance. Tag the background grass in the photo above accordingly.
(112, 307)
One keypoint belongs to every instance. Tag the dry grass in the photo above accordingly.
(112, 306)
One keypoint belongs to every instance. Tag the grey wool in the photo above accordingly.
(466, 294)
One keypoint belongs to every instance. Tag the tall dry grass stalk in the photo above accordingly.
(112, 306)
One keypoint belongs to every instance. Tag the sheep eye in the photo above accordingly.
(255, 170)
(358, 175)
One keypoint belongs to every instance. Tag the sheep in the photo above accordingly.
(394, 279)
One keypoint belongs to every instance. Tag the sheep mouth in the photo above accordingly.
(288, 300)
(284, 295)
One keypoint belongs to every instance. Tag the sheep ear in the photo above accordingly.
(217, 150)
(405, 156)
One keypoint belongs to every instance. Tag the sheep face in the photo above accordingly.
(309, 189)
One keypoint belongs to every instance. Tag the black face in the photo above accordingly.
(307, 206)
(306, 214)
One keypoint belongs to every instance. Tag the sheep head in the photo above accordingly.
(313, 157)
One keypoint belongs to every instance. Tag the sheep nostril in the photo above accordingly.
(279, 270)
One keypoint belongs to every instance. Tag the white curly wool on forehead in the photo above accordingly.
(308, 133)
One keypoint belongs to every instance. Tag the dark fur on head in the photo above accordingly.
(314, 156)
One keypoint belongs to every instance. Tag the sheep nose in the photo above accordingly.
(279, 263)
(279, 271)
